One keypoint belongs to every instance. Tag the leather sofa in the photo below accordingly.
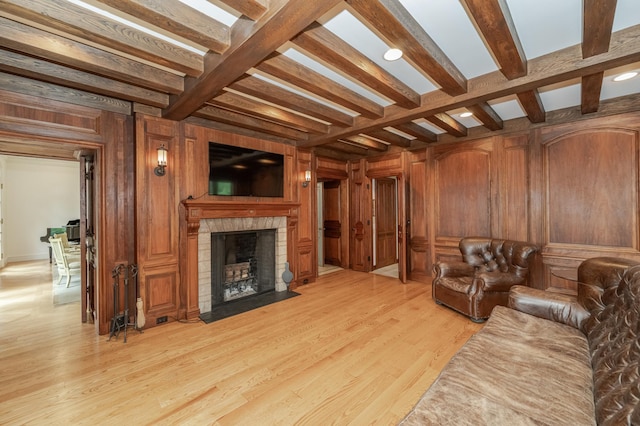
(548, 358)
(489, 268)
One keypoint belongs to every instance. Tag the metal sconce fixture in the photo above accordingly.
(162, 161)
(307, 178)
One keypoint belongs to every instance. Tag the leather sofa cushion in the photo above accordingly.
(519, 369)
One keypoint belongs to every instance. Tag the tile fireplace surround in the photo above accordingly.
(237, 224)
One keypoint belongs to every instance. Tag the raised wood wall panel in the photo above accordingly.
(305, 270)
(51, 119)
(157, 217)
(419, 256)
(514, 188)
(594, 178)
(161, 296)
(327, 168)
(463, 193)
(384, 166)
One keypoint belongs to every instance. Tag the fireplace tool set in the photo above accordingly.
(121, 320)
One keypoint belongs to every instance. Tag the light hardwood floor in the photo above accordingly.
(353, 348)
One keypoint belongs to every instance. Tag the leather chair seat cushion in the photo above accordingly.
(457, 284)
(519, 369)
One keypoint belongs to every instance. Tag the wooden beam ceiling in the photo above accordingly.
(545, 70)
(393, 22)
(251, 41)
(248, 77)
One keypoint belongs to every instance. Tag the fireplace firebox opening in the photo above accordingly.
(243, 264)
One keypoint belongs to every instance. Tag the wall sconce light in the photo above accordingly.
(162, 161)
(307, 178)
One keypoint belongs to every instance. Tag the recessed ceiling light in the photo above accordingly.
(625, 76)
(392, 54)
(466, 114)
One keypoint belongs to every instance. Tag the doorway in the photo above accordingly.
(332, 224)
(57, 202)
(385, 222)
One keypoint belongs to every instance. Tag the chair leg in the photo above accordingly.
(59, 278)
(68, 280)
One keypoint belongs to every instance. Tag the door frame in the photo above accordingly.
(323, 175)
(403, 222)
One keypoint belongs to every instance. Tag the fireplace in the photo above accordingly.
(243, 264)
(268, 231)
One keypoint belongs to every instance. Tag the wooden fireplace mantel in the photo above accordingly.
(196, 210)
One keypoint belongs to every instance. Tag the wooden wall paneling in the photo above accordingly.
(305, 266)
(359, 218)
(463, 194)
(157, 218)
(47, 128)
(419, 257)
(514, 188)
(199, 163)
(115, 228)
(385, 166)
(591, 204)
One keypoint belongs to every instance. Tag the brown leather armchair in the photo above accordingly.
(489, 269)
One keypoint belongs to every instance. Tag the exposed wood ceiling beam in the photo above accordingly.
(494, 23)
(57, 74)
(347, 148)
(493, 20)
(286, 69)
(391, 21)
(252, 9)
(250, 43)
(244, 105)
(597, 25)
(590, 92)
(532, 105)
(26, 86)
(487, 116)
(38, 43)
(556, 67)
(235, 119)
(78, 21)
(367, 142)
(390, 137)
(179, 19)
(323, 44)
(417, 131)
(448, 124)
(259, 88)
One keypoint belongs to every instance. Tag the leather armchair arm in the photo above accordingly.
(497, 281)
(453, 269)
(551, 306)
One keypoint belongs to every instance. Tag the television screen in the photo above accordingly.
(245, 172)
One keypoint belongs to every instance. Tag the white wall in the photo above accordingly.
(38, 194)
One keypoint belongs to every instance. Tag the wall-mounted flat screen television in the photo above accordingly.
(246, 172)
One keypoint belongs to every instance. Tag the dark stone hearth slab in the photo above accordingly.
(243, 305)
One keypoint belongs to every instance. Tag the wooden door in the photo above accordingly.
(404, 228)
(87, 238)
(332, 223)
(385, 209)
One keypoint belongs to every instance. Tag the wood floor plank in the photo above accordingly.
(353, 348)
